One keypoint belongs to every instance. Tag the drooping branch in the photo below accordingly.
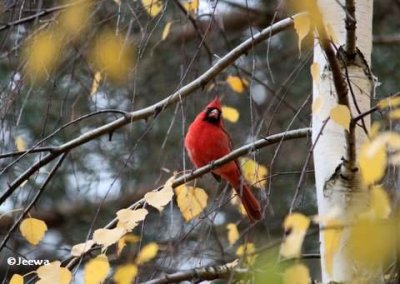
(155, 109)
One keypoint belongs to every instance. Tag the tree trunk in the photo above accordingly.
(331, 145)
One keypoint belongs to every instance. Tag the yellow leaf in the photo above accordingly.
(296, 274)
(147, 253)
(394, 114)
(296, 222)
(237, 84)
(79, 249)
(332, 238)
(118, 2)
(372, 161)
(230, 114)
(17, 279)
(296, 225)
(254, 173)
(113, 56)
(316, 105)
(166, 30)
(191, 6)
(341, 115)
(75, 19)
(315, 73)
(331, 34)
(302, 26)
(33, 230)
(152, 7)
(191, 201)
(125, 274)
(41, 54)
(391, 102)
(333, 213)
(233, 233)
(107, 237)
(391, 139)
(128, 238)
(53, 273)
(375, 128)
(20, 143)
(380, 203)
(96, 83)
(159, 199)
(247, 252)
(128, 219)
(371, 242)
(96, 270)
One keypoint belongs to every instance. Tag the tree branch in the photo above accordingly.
(351, 23)
(39, 15)
(204, 273)
(155, 109)
(325, 43)
(387, 39)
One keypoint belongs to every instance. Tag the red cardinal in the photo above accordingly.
(206, 141)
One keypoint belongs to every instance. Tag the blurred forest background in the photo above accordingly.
(112, 172)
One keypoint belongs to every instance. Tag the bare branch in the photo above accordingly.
(36, 149)
(40, 14)
(205, 273)
(387, 39)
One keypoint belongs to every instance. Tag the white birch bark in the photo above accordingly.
(331, 145)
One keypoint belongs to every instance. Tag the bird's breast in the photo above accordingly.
(206, 143)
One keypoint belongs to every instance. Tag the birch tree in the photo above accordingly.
(344, 82)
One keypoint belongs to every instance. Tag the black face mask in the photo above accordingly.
(213, 115)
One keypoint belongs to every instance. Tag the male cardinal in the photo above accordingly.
(206, 141)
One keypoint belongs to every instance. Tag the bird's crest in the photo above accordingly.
(216, 103)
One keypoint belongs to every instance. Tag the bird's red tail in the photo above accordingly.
(249, 201)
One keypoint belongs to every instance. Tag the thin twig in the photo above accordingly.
(304, 170)
(39, 15)
(199, 32)
(34, 148)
